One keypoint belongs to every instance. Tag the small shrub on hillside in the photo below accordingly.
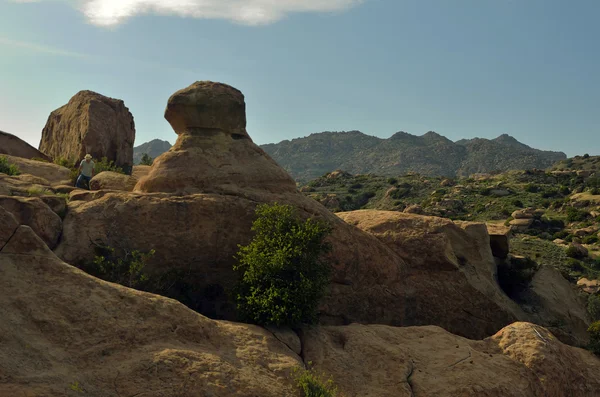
(594, 331)
(146, 159)
(593, 307)
(282, 274)
(560, 235)
(356, 186)
(314, 384)
(574, 265)
(564, 190)
(392, 181)
(106, 165)
(8, 168)
(532, 188)
(575, 253)
(590, 239)
(576, 215)
(518, 203)
(39, 191)
(126, 269)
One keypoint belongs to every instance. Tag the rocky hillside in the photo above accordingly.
(15, 146)
(429, 154)
(415, 305)
(154, 148)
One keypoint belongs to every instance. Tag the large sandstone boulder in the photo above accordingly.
(14, 146)
(67, 333)
(113, 181)
(213, 152)
(499, 240)
(35, 213)
(90, 123)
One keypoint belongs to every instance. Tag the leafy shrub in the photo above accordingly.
(399, 193)
(590, 239)
(146, 159)
(392, 181)
(532, 188)
(518, 203)
(564, 190)
(8, 168)
(593, 307)
(282, 275)
(126, 269)
(594, 331)
(576, 215)
(106, 165)
(560, 235)
(586, 156)
(573, 252)
(574, 265)
(39, 191)
(356, 186)
(313, 384)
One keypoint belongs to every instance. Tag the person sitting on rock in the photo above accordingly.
(86, 172)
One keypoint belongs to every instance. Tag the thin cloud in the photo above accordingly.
(248, 12)
(40, 48)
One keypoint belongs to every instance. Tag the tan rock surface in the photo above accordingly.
(521, 360)
(108, 180)
(90, 123)
(559, 307)
(140, 171)
(8, 225)
(65, 330)
(62, 328)
(35, 213)
(589, 286)
(52, 173)
(14, 146)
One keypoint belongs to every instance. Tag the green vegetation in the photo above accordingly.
(127, 270)
(282, 275)
(593, 307)
(594, 331)
(106, 165)
(313, 384)
(8, 168)
(146, 159)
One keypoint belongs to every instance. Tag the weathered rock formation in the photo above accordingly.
(90, 123)
(213, 152)
(51, 173)
(14, 146)
(67, 333)
(35, 213)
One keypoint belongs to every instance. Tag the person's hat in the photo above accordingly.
(88, 156)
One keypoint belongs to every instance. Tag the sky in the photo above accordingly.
(462, 68)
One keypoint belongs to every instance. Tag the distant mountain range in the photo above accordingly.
(430, 154)
(154, 148)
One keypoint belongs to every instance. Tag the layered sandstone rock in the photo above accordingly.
(213, 152)
(90, 123)
(65, 332)
(14, 146)
(35, 213)
(113, 181)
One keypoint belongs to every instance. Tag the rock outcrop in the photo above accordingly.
(213, 152)
(14, 146)
(52, 174)
(35, 213)
(67, 333)
(109, 180)
(90, 123)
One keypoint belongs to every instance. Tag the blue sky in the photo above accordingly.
(462, 68)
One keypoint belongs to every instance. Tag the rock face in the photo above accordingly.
(36, 214)
(14, 146)
(67, 333)
(53, 174)
(90, 123)
(213, 152)
(499, 240)
(113, 181)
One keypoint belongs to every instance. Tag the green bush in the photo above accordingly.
(518, 203)
(282, 275)
(532, 188)
(594, 331)
(574, 265)
(593, 307)
(8, 168)
(313, 384)
(576, 215)
(126, 268)
(590, 239)
(106, 165)
(392, 181)
(146, 159)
